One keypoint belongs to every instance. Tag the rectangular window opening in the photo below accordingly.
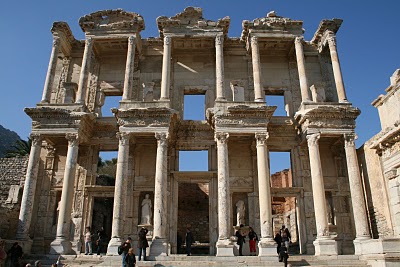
(106, 168)
(109, 103)
(194, 107)
(279, 102)
(280, 169)
(193, 160)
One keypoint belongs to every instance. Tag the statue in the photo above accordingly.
(146, 210)
(240, 213)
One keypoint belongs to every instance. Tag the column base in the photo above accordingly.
(325, 247)
(224, 248)
(377, 246)
(113, 245)
(259, 100)
(220, 99)
(267, 247)
(159, 247)
(60, 246)
(358, 244)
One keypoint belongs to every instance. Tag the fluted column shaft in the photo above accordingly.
(219, 66)
(264, 186)
(255, 57)
(356, 190)
(317, 180)
(120, 188)
(67, 193)
(51, 70)
(224, 203)
(129, 68)
(83, 78)
(160, 189)
(305, 97)
(166, 68)
(28, 196)
(337, 72)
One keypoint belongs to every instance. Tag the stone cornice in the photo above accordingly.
(106, 20)
(325, 25)
(271, 23)
(62, 30)
(385, 138)
(192, 20)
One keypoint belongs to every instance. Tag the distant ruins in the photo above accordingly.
(331, 207)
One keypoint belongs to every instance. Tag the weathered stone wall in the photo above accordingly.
(12, 174)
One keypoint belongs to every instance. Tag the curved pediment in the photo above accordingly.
(117, 19)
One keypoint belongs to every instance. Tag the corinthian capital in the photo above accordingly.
(312, 139)
(254, 40)
(299, 40)
(219, 39)
(36, 139)
(73, 139)
(162, 138)
(167, 40)
(88, 41)
(349, 139)
(331, 38)
(123, 138)
(262, 138)
(221, 138)
(131, 40)
(56, 41)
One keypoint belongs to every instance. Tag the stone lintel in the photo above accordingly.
(332, 25)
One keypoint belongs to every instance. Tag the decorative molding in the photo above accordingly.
(123, 138)
(262, 138)
(221, 138)
(73, 139)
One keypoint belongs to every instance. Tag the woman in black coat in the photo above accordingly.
(142, 243)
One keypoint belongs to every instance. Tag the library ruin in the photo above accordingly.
(322, 196)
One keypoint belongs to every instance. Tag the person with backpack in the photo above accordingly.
(123, 250)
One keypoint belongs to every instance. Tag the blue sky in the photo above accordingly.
(368, 43)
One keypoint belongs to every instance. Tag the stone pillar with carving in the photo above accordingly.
(83, 77)
(255, 57)
(298, 43)
(62, 243)
(266, 245)
(159, 245)
(324, 244)
(119, 193)
(219, 67)
(357, 195)
(224, 245)
(28, 196)
(337, 72)
(129, 68)
(48, 84)
(166, 69)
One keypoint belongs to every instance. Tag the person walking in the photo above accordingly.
(285, 234)
(130, 259)
(253, 238)
(125, 246)
(278, 240)
(88, 241)
(240, 239)
(283, 254)
(142, 243)
(189, 239)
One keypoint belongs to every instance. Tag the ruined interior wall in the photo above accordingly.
(112, 69)
(235, 68)
(240, 160)
(145, 161)
(275, 71)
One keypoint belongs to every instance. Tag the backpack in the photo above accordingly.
(120, 250)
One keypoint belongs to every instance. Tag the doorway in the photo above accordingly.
(102, 217)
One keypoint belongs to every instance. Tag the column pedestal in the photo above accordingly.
(267, 247)
(159, 247)
(225, 248)
(325, 247)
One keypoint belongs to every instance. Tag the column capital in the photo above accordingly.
(254, 40)
(131, 40)
(167, 40)
(299, 40)
(56, 41)
(123, 138)
(89, 41)
(161, 137)
(349, 139)
(262, 138)
(312, 139)
(331, 38)
(73, 139)
(219, 40)
(36, 139)
(221, 138)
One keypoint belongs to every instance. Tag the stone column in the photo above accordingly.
(159, 245)
(28, 196)
(62, 243)
(224, 245)
(119, 194)
(255, 57)
(83, 78)
(324, 244)
(166, 69)
(219, 66)
(266, 245)
(357, 196)
(337, 72)
(48, 84)
(129, 68)
(298, 43)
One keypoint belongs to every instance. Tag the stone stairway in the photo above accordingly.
(208, 261)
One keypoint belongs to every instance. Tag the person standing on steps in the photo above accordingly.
(100, 239)
(88, 241)
(240, 239)
(142, 243)
(253, 238)
(189, 241)
(285, 234)
(130, 259)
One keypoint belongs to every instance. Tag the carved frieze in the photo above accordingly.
(147, 117)
(241, 182)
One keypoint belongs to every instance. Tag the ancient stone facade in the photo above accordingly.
(193, 56)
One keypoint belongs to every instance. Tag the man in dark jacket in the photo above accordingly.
(189, 239)
(240, 239)
(125, 248)
(15, 254)
(142, 243)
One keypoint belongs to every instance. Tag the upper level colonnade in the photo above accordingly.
(117, 33)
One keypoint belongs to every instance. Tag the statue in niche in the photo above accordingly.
(240, 213)
(146, 210)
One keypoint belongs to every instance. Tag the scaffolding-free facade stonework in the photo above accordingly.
(194, 56)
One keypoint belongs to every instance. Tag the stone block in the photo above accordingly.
(325, 247)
